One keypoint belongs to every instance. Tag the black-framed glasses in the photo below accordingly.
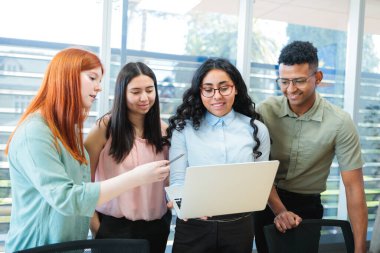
(224, 90)
(298, 82)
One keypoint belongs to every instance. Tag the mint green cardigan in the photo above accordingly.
(52, 197)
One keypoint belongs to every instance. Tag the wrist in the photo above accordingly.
(278, 211)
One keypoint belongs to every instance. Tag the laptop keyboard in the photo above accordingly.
(178, 201)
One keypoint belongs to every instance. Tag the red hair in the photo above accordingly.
(59, 99)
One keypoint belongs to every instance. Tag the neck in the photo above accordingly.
(138, 124)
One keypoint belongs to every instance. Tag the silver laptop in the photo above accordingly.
(223, 189)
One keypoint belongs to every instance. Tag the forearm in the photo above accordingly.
(358, 213)
(115, 186)
(143, 174)
(275, 202)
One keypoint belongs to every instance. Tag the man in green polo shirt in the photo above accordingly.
(307, 132)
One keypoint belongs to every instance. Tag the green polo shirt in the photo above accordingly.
(306, 145)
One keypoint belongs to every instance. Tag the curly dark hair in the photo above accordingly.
(120, 127)
(299, 52)
(193, 109)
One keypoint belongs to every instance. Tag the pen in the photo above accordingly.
(175, 159)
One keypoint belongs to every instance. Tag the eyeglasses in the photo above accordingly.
(224, 90)
(298, 82)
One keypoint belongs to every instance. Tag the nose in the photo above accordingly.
(143, 96)
(98, 87)
(217, 94)
(291, 87)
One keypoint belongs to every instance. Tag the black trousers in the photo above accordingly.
(197, 236)
(155, 231)
(307, 206)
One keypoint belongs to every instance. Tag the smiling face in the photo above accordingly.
(300, 99)
(90, 86)
(141, 95)
(218, 104)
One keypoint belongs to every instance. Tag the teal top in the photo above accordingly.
(306, 145)
(52, 197)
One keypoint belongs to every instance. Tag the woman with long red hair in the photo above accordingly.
(53, 198)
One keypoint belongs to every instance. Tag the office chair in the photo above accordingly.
(98, 246)
(307, 237)
(374, 246)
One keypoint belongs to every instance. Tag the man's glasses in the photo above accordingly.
(299, 82)
(209, 92)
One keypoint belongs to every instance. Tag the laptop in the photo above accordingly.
(223, 189)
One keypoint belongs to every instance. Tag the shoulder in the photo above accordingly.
(270, 105)
(33, 133)
(247, 120)
(272, 102)
(260, 125)
(34, 125)
(242, 117)
(336, 118)
(164, 126)
(187, 130)
(189, 125)
(335, 111)
(98, 131)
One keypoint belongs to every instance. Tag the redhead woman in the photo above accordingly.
(53, 196)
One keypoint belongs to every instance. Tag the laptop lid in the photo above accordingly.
(224, 189)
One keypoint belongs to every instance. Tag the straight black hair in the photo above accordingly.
(119, 127)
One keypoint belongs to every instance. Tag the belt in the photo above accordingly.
(227, 217)
(301, 195)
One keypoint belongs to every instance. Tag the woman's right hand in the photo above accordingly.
(152, 172)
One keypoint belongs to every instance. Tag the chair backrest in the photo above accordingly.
(98, 245)
(375, 239)
(310, 236)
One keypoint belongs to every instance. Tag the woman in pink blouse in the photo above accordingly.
(129, 135)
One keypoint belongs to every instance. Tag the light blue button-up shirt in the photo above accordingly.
(228, 139)
(52, 199)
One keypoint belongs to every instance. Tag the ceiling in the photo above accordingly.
(331, 14)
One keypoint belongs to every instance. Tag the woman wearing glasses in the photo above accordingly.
(215, 124)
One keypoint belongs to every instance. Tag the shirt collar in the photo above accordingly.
(212, 120)
(314, 113)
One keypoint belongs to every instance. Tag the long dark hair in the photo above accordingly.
(193, 109)
(119, 127)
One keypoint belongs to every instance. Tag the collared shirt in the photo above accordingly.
(228, 139)
(306, 145)
(52, 200)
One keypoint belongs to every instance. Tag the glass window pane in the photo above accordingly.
(173, 40)
(34, 32)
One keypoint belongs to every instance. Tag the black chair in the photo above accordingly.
(311, 236)
(98, 246)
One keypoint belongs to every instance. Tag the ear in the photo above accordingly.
(318, 77)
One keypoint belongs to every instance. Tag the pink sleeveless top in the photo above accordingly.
(145, 202)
